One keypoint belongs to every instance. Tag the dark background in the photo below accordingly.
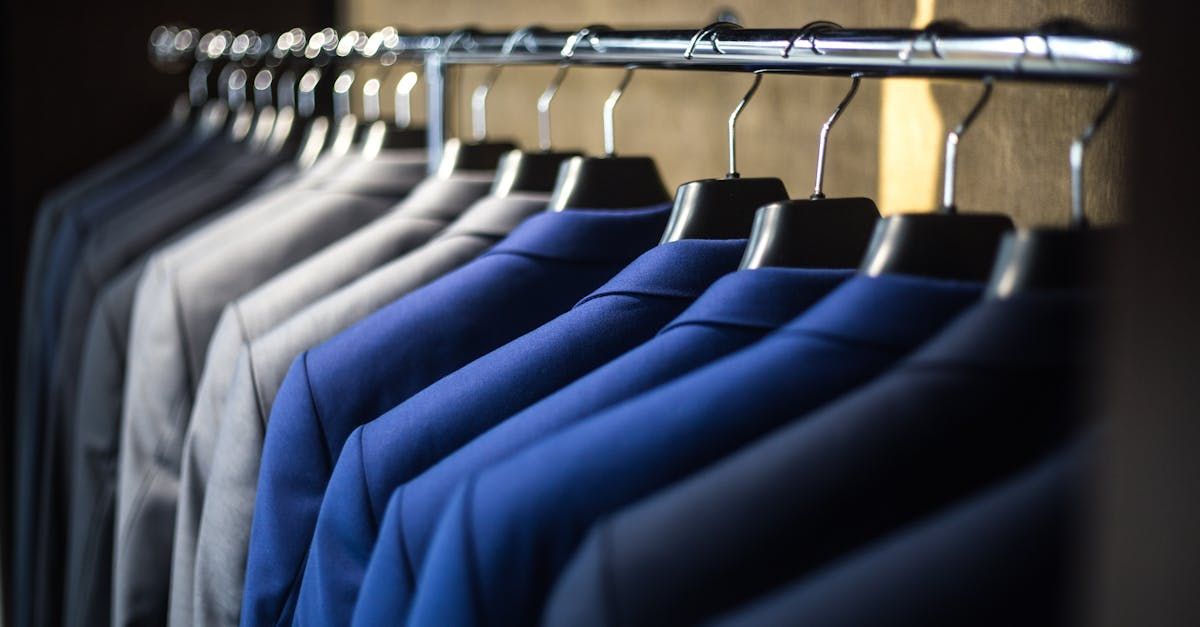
(75, 86)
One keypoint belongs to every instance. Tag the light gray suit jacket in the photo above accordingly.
(178, 301)
(96, 416)
(427, 210)
(224, 535)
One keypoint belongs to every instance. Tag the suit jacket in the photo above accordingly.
(87, 584)
(97, 415)
(224, 533)
(111, 247)
(735, 312)
(509, 530)
(384, 453)
(992, 393)
(65, 240)
(419, 217)
(1002, 558)
(546, 265)
(175, 310)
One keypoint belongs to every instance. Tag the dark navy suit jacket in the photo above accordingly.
(1003, 558)
(993, 392)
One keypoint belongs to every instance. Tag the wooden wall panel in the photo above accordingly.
(1014, 161)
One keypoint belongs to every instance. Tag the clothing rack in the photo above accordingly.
(1060, 53)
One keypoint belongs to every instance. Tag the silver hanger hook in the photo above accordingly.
(402, 106)
(263, 81)
(341, 93)
(733, 117)
(370, 99)
(572, 42)
(610, 106)
(952, 140)
(306, 102)
(545, 141)
(480, 94)
(809, 33)
(479, 104)
(543, 107)
(235, 90)
(712, 29)
(930, 33)
(823, 142)
(1078, 218)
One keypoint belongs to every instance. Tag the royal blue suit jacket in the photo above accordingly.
(386, 452)
(506, 534)
(736, 311)
(539, 271)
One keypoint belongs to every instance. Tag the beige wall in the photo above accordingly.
(887, 146)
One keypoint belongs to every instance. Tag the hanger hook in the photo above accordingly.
(544, 101)
(543, 107)
(1078, 218)
(263, 81)
(610, 106)
(823, 142)
(952, 140)
(733, 117)
(809, 32)
(479, 103)
(402, 107)
(712, 29)
(480, 95)
(930, 33)
(341, 93)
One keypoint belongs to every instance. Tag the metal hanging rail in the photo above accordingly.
(819, 48)
(1061, 53)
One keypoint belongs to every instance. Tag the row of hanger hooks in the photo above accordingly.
(1061, 50)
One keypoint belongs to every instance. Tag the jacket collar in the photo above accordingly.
(893, 311)
(765, 298)
(588, 235)
(682, 269)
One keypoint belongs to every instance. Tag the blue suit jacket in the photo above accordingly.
(539, 271)
(1003, 558)
(736, 311)
(993, 392)
(506, 534)
(386, 452)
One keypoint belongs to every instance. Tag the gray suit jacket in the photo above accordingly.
(224, 535)
(95, 420)
(110, 248)
(427, 210)
(179, 298)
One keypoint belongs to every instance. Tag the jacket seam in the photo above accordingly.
(406, 559)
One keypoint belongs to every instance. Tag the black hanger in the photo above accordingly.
(721, 208)
(526, 171)
(940, 245)
(608, 182)
(816, 232)
(1044, 258)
